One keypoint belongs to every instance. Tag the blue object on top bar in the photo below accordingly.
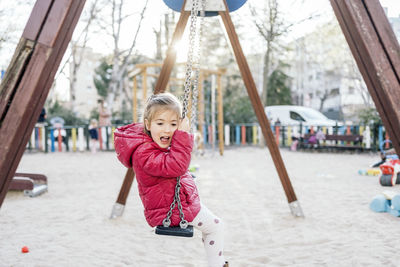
(232, 6)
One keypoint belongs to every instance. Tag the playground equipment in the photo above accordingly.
(375, 49)
(184, 229)
(389, 165)
(32, 184)
(388, 201)
(387, 153)
(370, 172)
(48, 31)
(211, 6)
(390, 173)
(252, 92)
(29, 77)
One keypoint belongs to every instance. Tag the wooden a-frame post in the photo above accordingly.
(374, 46)
(254, 98)
(29, 77)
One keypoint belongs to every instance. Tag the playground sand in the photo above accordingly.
(70, 225)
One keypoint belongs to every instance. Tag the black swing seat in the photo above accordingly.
(175, 231)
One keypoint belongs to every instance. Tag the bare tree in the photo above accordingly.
(271, 26)
(78, 48)
(359, 84)
(163, 30)
(270, 29)
(329, 56)
(120, 57)
(157, 33)
(324, 92)
(12, 17)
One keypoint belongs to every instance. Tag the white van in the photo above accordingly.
(294, 115)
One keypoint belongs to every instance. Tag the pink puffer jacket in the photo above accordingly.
(156, 171)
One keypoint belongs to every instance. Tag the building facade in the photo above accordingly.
(325, 75)
(86, 95)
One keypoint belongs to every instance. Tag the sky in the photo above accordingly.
(294, 10)
(146, 42)
(393, 5)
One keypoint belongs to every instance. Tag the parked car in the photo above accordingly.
(294, 115)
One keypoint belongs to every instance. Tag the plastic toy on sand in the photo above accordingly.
(380, 203)
(390, 173)
(388, 201)
(369, 172)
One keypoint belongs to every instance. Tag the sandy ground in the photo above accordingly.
(70, 225)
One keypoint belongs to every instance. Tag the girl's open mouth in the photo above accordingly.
(164, 139)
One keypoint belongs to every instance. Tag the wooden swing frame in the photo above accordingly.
(254, 98)
(30, 75)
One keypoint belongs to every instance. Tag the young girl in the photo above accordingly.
(159, 151)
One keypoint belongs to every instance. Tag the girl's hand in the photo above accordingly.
(184, 125)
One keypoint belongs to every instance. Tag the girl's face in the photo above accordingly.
(162, 127)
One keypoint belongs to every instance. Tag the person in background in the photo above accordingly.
(104, 122)
(94, 136)
(104, 114)
(42, 117)
(295, 139)
(320, 136)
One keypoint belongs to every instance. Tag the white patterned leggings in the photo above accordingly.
(213, 236)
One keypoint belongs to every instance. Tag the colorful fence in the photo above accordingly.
(77, 138)
(250, 134)
(69, 138)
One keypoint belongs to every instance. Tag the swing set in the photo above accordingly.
(28, 79)
(208, 8)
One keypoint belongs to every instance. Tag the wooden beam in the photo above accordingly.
(13, 75)
(144, 85)
(146, 65)
(260, 113)
(200, 106)
(126, 186)
(376, 51)
(220, 116)
(20, 59)
(386, 35)
(134, 100)
(50, 35)
(169, 61)
(171, 78)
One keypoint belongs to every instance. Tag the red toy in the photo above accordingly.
(25, 249)
(390, 172)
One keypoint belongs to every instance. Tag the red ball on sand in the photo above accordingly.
(25, 249)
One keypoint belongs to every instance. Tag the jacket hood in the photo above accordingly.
(127, 139)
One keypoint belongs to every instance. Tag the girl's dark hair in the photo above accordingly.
(158, 103)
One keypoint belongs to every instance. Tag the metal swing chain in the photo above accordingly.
(195, 92)
(177, 200)
(189, 62)
(193, 19)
